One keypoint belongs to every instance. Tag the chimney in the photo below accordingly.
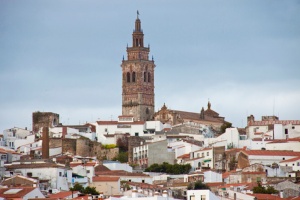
(64, 132)
(134, 193)
(45, 143)
(165, 193)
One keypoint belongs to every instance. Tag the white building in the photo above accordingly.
(15, 137)
(281, 129)
(125, 124)
(56, 174)
(201, 195)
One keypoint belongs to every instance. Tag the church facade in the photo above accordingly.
(138, 78)
(206, 117)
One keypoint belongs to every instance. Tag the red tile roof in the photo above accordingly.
(63, 194)
(270, 153)
(291, 160)
(75, 164)
(105, 178)
(265, 123)
(5, 192)
(184, 156)
(116, 123)
(120, 173)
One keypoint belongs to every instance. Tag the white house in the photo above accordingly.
(201, 195)
(126, 124)
(20, 193)
(15, 137)
(44, 170)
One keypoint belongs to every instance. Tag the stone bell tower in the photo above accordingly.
(138, 78)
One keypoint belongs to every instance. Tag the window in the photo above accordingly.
(203, 197)
(149, 77)
(60, 173)
(298, 163)
(293, 127)
(133, 76)
(3, 157)
(88, 171)
(202, 154)
(207, 153)
(128, 77)
(143, 181)
(145, 76)
(136, 134)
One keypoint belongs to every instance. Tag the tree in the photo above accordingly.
(168, 168)
(122, 143)
(198, 185)
(224, 126)
(122, 157)
(77, 187)
(262, 190)
(87, 190)
(90, 190)
(232, 163)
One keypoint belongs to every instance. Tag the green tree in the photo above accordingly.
(77, 187)
(262, 190)
(87, 190)
(122, 157)
(168, 168)
(198, 185)
(224, 126)
(90, 190)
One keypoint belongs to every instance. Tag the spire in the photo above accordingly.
(208, 105)
(137, 14)
(138, 36)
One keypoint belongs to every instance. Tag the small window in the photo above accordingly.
(145, 76)
(136, 134)
(60, 173)
(87, 171)
(207, 153)
(283, 158)
(202, 154)
(133, 76)
(293, 127)
(149, 77)
(143, 181)
(128, 77)
(203, 197)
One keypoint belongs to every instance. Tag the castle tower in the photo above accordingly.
(138, 78)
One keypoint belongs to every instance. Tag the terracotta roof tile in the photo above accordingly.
(105, 178)
(271, 153)
(265, 123)
(291, 160)
(120, 173)
(117, 123)
(63, 194)
(17, 192)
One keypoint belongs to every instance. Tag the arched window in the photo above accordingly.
(147, 110)
(149, 77)
(133, 76)
(145, 76)
(128, 77)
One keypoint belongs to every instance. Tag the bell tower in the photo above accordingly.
(138, 78)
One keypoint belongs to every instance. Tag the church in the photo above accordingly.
(138, 89)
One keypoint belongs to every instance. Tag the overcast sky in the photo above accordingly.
(65, 56)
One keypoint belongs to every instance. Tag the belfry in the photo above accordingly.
(138, 78)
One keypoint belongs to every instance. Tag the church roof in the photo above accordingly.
(196, 116)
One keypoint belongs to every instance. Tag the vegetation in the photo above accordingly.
(262, 190)
(232, 163)
(87, 190)
(170, 169)
(109, 146)
(122, 143)
(224, 126)
(122, 157)
(198, 185)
